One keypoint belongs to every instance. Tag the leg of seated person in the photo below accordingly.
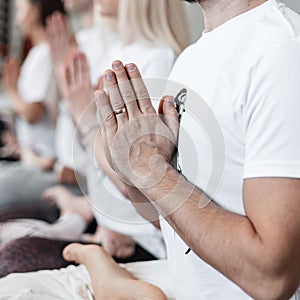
(67, 284)
(31, 254)
(75, 216)
(68, 227)
(109, 280)
(46, 254)
(40, 211)
(75, 282)
(68, 202)
(20, 185)
(24, 185)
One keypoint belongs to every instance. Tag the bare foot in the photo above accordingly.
(115, 244)
(109, 280)
(68, 203)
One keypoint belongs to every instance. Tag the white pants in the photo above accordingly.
(73, 283)
(68, 227)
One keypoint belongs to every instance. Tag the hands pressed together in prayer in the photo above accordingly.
(139, 143)
(80, 92)
(61, 43)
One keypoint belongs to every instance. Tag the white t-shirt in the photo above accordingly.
(247, 73)
(33, 86)
(111, 208)
(90, 43)
(69, 151)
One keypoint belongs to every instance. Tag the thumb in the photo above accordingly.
(170, 115)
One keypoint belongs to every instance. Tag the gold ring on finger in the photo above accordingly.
(120, 111)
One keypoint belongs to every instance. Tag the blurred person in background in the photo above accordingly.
(28, 86)
(155, 49)
(244, 234)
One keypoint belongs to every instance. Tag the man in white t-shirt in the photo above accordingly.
(241, 219)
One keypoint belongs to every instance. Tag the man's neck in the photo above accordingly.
(87, 17)
(218, 12)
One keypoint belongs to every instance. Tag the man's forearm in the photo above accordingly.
(225, 240)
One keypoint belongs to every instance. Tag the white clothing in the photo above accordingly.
(75, 283)
(90, 43)
(111, 208)
(69, 152)
(153, 62)
(33, 87)
(247, 73)
(69, 227)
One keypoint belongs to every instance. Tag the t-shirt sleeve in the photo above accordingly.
(271, 115)
(39, 75)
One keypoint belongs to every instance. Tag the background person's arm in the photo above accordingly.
(31, 112)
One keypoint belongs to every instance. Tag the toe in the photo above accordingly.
(73, 252)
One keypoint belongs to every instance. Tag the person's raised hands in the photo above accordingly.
(139, 143)
(59, 38)
(60, 42)
(79, 90)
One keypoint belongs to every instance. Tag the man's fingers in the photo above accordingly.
(115, 97)
(170, 114)
(140, 89)
(126, 90)
(106, 115)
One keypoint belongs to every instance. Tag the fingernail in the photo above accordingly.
(170, 99)
(99, 95)
(131, 67)
(117, 65)
(109, 76)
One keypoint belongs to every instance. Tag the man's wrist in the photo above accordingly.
(170, 193)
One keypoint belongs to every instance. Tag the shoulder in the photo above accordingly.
(41, 51)
(39, 58)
